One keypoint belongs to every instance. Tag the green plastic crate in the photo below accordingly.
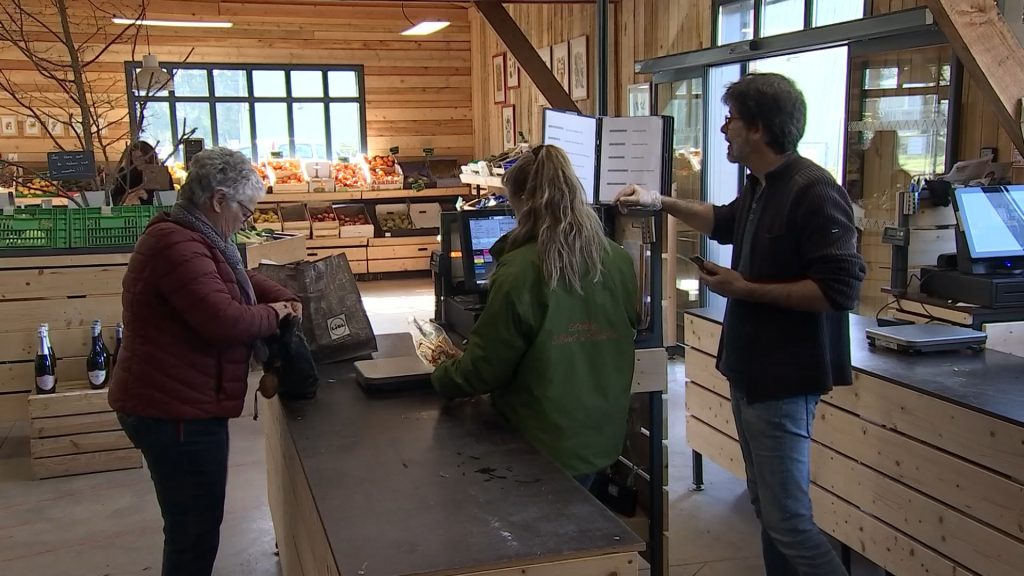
(34, 227)
(91, 228)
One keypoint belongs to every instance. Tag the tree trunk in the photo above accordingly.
(76, 68)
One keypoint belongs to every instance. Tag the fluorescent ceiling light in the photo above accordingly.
(173, 23)
(424, 28)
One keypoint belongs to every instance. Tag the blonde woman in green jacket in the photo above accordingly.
(554, 345)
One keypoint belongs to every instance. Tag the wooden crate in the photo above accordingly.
(76, 432)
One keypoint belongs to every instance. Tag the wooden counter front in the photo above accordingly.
(407, 484)
(919, 465)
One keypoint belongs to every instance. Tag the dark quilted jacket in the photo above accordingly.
(188, 336)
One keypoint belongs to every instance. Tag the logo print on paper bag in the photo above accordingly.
(338, 327)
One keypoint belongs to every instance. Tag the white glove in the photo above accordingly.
(634, 196)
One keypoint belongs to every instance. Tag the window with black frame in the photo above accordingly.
(314, 112)
(739, 20)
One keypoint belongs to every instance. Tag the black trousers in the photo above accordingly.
(188, 462)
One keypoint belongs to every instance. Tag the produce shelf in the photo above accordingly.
(121, 226)
(34, 228)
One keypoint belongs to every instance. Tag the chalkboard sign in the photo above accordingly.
(192, 146)
(76, 165)
(394, 150)
(428, 152)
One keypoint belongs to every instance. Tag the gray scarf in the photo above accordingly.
(191, 218)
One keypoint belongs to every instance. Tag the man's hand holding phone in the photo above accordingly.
(721, 280)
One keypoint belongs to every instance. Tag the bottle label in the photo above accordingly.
(96, 377)
(46, 383)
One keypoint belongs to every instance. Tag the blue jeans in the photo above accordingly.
(188, 462)
(775, 438)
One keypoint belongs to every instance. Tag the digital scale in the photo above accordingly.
(395, 368)
(921, 338)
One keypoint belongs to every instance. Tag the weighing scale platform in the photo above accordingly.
(921, 338)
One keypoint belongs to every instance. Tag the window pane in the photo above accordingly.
(821, 76)
(307, 84)
(736, 22)
(833, 11)
(190, 83)
(920, 126)
(345, 137)
(156, 126)
(781, 16)
(272, 128)
(233, 130)
(194, 115)
(310, 133)
(230, 83)
(343, 84)
(268, 83)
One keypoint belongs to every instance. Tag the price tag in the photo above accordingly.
(343, 159)
(418, 186)
(192, 146)
(394, 150)
(428, 152)
(276, 154)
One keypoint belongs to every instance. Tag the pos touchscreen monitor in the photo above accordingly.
(990, 229)
(480, 230)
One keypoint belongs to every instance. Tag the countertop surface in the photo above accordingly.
(989, 382)
(408, 484)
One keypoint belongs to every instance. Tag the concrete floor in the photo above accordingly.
(109, 524)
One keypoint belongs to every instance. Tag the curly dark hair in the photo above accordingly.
(773, 102)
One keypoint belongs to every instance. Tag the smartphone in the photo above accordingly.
(699, 262)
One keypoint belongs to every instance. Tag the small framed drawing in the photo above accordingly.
(54, 127)
(579, 75)
(560, 63)
(31, 127)
(638, 96)
(9, 125)
(498, 73)
(512, 72)
(508, 126)
(545, 55)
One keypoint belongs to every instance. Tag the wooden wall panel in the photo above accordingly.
(417, 88)
(639, 29)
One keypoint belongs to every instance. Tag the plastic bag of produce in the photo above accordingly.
(432, 343)
(334, 321)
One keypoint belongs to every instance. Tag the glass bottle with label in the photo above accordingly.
(118, 335)
(53, 355)
(97, 363)
(46, 366)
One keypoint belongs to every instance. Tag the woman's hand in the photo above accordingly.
(283, 309)
(135, 196)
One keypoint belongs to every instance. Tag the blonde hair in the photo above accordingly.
(552, 212)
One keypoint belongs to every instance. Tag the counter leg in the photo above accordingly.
(698, 471)
(657, 522)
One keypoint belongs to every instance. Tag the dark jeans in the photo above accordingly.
(188, 462)
(775, 438)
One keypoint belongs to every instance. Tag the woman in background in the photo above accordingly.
(130, 179)
(554, 345)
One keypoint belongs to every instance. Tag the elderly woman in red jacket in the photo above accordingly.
(194, 318)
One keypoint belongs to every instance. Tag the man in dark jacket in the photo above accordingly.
(795, 275)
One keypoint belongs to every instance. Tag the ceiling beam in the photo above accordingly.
(990, 53)
(525, 54)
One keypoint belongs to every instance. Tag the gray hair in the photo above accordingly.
(224, 169)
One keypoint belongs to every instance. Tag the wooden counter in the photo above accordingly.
(406, 484)
(919, 465)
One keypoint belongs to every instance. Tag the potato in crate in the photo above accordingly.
(323, 221)
(353, 221)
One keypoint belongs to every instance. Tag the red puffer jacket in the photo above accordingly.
(188, 334)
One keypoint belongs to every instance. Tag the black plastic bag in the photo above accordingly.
(289, 369)
(334, 320)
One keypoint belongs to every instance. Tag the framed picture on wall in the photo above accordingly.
(512, 69)
(54, 127)
(508, 126)
(545, 55)
(638, 98)
(9, 125)
(498, 77)
(579, 70)
(31, 127)
(560, 63)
